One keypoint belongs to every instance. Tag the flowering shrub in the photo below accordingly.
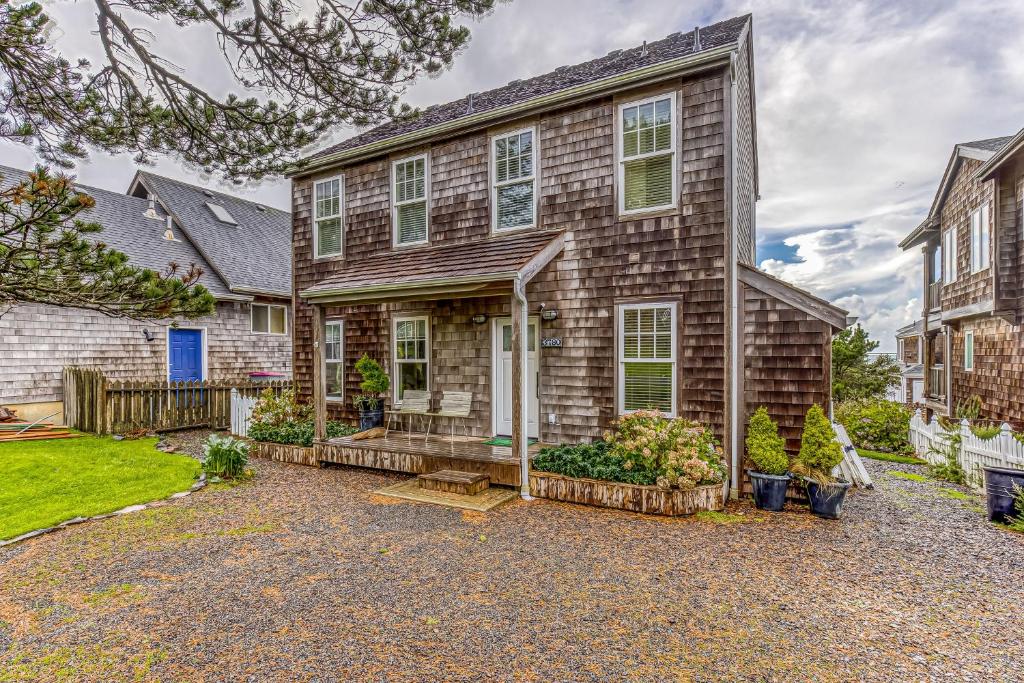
(273, 409)
(677, 453)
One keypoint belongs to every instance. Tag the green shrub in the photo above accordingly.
(968, 408)
(225, 457)
(591, 461)
(875, 425)
(765, 448)
(375, 384)
(986, 432)
(296, 433)
(819, 450)
(948, 449)
(1017, 521)
(275, 409)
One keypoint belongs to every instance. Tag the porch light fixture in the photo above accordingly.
(148, 335)
(549, 314)
(479, 318)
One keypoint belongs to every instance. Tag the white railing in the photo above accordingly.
(930, 440)
(241, 412)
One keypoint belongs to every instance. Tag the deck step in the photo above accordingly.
(453, 481)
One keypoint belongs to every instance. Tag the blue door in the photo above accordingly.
(186, 355)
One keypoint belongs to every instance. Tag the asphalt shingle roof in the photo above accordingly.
(613, 64)
(253, 254)
(128, 230)
(989, 145)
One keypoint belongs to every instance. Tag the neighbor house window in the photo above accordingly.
(949, 253)
(647, 160)
(647, 358)
(900, 350)
(267, 319)
(327, 222)
(969, 350)
(334, 359)
(412, 354)
(410, 190)
(515, 180)
(979, 239)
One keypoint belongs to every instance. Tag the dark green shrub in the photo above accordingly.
(225, 457)
(986, 432)
(296, 433)
(375, 384)
(275, 409)
(765, 448)
(875, 425)
(819, 450)
(592, 461)
(968, 408)
(948, 448)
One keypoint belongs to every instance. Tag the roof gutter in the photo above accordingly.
(657, 71)
(263, 292)
(313, 294)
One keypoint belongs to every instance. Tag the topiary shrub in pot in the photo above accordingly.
(819, 455)
(766, 450)
(375, 385)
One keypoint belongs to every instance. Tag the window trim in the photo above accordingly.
(981, 260)
(620, 159)
(252, 320)
(395, 204)
(341, 328)
(340, 215)
(394, 353)
(494, 184)
(969, 336)
(950, 268)
(620, 370)
(901, 350)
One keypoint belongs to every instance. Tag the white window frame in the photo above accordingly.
(620, 172)
(950, 253)
(495, 185)
(318, 219)
(396, 204)
(900, 350)
(337, 398)
(980, 258)
(252, 319)
(620, 371)
(395, 362)
(969, 343)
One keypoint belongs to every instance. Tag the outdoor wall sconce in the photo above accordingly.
(479, 318)
(548, 314)
(148, 335)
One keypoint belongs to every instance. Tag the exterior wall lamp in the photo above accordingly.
(549, 314)
(479, 318)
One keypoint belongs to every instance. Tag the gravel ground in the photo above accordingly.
(304, 574)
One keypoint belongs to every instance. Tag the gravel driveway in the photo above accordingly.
(303, 574)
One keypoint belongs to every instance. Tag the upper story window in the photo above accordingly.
(515, 180)
(334, 359)
(410, 189)
(980, 258)
(328, 231)
(268, 319)
(935, 272)
(647, 357)
(901, 352)
(949, 252)
(647, 154)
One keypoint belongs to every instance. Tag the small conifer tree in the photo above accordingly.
(819, 450)
(765, 447)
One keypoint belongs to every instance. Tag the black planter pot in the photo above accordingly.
(827, 500)
(999, 492)
(769, 490)
(368, 419)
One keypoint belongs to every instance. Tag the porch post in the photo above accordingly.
(319, 376)
(520, 366)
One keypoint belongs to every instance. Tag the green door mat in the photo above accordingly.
(505, 441)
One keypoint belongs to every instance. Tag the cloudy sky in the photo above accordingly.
(858, 104)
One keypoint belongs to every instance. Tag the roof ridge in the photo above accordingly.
(203, 188)
(83, 186)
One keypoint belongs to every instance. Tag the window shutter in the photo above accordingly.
(648, 182)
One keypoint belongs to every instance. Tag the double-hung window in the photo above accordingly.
(328, 229)
(334, 359)
(647, 154)
(268, 319)
(647, 357)
(979, 239)
(411, 354)
(410, 187)
(969, 350)
(949, 253)
(514, 193)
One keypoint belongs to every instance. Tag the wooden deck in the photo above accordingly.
(401, 453)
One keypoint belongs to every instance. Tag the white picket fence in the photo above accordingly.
(241, 412)
(975, 453)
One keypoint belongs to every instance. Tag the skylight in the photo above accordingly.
(221, 213)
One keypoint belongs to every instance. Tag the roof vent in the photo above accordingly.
(696, 38)
(561, 68)
(614, 53)
(169, 232)
(261, 208)
(151, 210)
(469, 107)
(516, 82)
(643, 49)
(207, 193)
(221, 214)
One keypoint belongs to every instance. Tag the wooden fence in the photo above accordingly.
(241, 412)
(930, 440)
(92, 403)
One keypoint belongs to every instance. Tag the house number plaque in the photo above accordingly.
(551, 341)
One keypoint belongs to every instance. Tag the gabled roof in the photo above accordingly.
(127, 229)
(251, 255)
(914, 329)
(1010, 149)
(794, 296)
(701, 44)
(981, 150)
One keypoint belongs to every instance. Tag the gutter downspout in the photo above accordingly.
(736, 359)
(519, 291)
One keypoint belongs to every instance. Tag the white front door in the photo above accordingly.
(501, 396)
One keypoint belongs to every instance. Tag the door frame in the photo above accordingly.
(203, 371)
(495, 369)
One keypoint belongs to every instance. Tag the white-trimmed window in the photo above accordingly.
(514, 177)
(647, 154)
(949, 253)
(410, 188)
(647, 357)
(268, 319)
(969, 350)
(901, 350)
(334, 359)
(328, 226)
(411, 351)
(980, 239)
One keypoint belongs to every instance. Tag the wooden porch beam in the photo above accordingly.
(319, 376)
(520, 363)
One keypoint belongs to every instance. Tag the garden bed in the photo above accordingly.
(282, 452)
(649, 500)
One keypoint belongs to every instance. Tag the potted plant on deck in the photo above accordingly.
(766, 450)
(819, 454)
(375, 385)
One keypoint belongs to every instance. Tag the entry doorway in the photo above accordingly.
(501, 381)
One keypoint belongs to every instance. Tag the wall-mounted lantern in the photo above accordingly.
(479, 318)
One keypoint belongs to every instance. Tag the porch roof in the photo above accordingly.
(443, 270)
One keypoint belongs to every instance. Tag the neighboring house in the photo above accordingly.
(973, 253)
(568, 248)
(162, 221)
(909, 351)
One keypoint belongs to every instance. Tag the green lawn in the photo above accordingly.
(43, 483)
(891, 457)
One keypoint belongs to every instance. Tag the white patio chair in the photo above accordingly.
(455, 405)
(415, 403)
